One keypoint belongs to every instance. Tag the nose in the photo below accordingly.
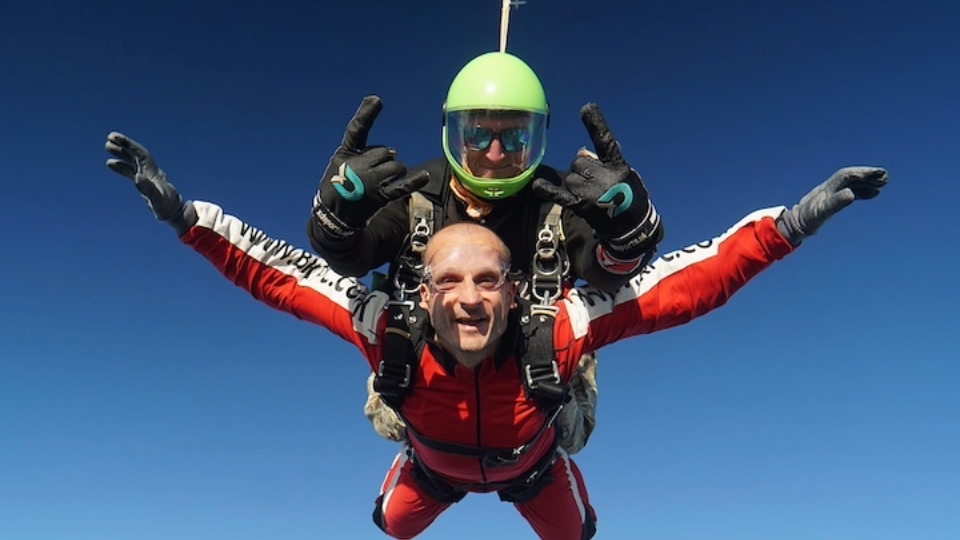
(469, 294)
(495, 151)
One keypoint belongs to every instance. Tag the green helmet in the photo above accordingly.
(495, 96)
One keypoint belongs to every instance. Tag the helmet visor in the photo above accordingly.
(495, 144)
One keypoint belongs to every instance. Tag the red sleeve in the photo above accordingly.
(286, 278)
(674, 289)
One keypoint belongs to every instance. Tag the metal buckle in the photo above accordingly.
(546, 243)
(551, 373)
(502, 458)
(546, 291)
(406, 281)
(549, 267)
(420, 235)
(383, 368)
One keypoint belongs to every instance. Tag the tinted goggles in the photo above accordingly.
(479, 139)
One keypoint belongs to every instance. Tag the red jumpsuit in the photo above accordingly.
(486, 407)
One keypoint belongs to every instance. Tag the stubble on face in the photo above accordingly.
(469, 323)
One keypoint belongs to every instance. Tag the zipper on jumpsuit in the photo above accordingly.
(478, 401)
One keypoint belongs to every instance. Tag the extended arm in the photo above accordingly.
(688, 283)
(274, 272)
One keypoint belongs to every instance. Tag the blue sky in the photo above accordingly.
(144, 397)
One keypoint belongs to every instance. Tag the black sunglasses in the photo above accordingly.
(478, 139)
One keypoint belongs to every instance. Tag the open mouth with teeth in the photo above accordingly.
(470, 321)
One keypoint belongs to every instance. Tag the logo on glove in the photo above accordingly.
(345, 175)
(606, 200)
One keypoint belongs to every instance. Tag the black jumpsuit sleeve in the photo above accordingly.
(581, 246)
(371, 247)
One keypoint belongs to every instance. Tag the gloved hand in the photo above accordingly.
(825, 200)
(134, 161)
(608, 194)
(361, 179)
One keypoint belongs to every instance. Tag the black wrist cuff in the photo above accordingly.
(644, 237)
(332, 226)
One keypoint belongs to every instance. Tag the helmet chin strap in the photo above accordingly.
(477, 208)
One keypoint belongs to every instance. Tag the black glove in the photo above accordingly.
(609, 195)
(134, 161)
(360, 179)
(825, 200)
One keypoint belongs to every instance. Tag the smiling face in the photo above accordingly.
(499, 156)
(466, 294)
(494, 152)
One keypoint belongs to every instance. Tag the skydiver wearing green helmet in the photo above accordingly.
(494, 138)
(496, 98)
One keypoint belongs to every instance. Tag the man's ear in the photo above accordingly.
(424, 296)
(514, 287)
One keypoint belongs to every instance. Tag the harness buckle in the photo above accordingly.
(406, 280)
(541, 374)
(502, 458)
(546, 243)
(401, 303)
(546, 291)
(549, 268)
(420, 234)
(394, 373)
(543, 311)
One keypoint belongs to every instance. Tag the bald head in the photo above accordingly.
(466, 234)
(466, 292)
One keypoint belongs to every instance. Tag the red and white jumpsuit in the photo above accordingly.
(486, 406)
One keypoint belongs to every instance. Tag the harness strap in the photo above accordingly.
(523, 487)
(492, 457)
(421, 222)
(550, 265)
(538, 364)
(432, 484)
(398, 365)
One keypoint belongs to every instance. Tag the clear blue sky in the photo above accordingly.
(144, 397)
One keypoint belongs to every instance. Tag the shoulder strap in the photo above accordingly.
(550, 266)
(537, 358)
(425, 214)
(421, 212)
(402, 346)
(403, 342)
(407, 268)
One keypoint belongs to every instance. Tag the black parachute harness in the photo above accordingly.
(404, 343)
